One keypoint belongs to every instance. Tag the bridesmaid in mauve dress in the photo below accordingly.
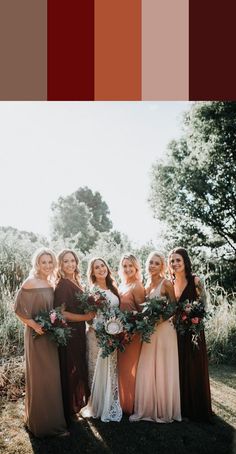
(73, 363)
(132, 294)
(43, 397)
(157, 393)
(193, 362)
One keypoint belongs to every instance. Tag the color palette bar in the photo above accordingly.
(117, 50)
(126, 50)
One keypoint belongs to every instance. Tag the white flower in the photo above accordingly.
(114, 326)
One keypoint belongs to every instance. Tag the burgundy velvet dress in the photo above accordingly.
(73, 364)
(193, 368)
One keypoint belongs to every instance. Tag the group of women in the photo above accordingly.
(162, 381)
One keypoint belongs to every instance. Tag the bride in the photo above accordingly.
(104, 400)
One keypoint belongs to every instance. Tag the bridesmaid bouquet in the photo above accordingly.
(54, 325)
(137, 323)
(189, 318)
(91, 302)
(158, 309)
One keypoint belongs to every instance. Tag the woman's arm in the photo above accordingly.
(169, 291)
(200, 289)
(71, 317)
(138, 292)
(32, 324)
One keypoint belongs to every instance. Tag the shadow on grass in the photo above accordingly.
(90, 436)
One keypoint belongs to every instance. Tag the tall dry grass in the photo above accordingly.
(11, 329)
(221, 326)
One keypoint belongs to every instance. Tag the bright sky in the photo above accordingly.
(50, 149)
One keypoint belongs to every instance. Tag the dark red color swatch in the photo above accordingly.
(70, 58)
(212, 69)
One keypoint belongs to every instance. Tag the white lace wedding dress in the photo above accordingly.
(104, 400)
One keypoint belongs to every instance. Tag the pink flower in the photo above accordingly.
(184, 316)
(53, 317)
(195, 320)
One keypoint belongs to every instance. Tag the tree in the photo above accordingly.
(80, 218)
(194, 192)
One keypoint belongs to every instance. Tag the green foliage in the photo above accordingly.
(16, 249)
(194, 192)
(80, 218)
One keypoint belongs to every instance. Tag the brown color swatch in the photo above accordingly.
(23, 49)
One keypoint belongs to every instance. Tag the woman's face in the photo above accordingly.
(45, 266)
(155, 265)
(68, 265)
(100, 270)
(176, 263)
(128, 269)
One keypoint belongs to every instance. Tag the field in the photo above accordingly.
(93, 436)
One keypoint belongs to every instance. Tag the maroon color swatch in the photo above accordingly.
(70, 58)
(212, 69)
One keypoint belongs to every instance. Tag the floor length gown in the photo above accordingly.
(73, 363)
(43, 398)
(128, 360)
(193, 366)
(157, 392)
(104, 401)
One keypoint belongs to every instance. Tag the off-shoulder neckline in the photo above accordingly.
(38, 288)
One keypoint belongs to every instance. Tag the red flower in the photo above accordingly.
(195, 320)
(184, 316)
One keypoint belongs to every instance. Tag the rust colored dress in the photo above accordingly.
(193, 367)
(128, 360)
(43, 396)
(73, 363)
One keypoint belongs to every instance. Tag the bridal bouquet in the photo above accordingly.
(54, 325)
(91, 301)
(110, 333)
(189, 318)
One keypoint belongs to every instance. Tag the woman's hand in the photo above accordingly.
(90, 316)
(36, 327)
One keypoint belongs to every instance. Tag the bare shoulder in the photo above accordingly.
(168, 284)
(138, 286)
(30, 282)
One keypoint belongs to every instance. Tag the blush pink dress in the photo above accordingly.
(157, 392)
(128, 360)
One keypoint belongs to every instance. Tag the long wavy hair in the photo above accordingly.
(34, 272)
(163, 263)
(110, 281)
(60, 273)
(187, 262)
(135, 263)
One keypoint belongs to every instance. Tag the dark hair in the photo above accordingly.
(110, 281)
(187, 262)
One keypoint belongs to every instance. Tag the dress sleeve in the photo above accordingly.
(23, 305)
(62, 294)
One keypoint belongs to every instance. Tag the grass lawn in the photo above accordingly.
(90, 436)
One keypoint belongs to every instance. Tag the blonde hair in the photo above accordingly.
(163, 263)
(134, 262)
(60, 273)
(34, 272)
